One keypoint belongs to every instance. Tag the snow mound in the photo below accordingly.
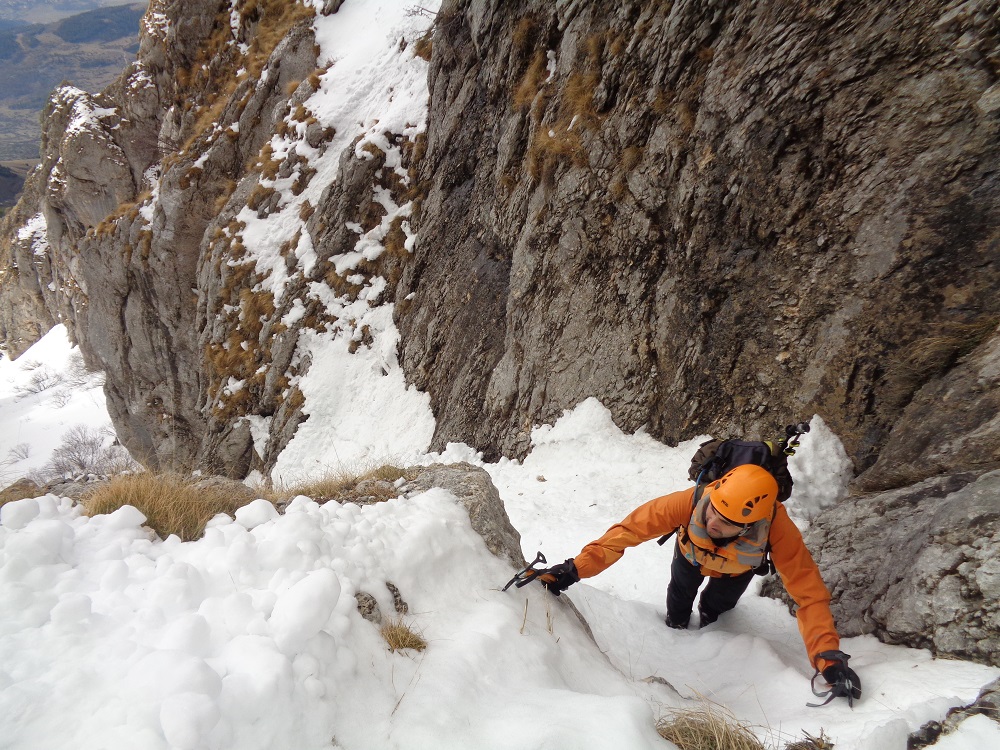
(250, 637)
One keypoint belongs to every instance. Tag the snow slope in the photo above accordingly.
(250, 638)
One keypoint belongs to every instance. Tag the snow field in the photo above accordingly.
(250, 637)
(43, 395)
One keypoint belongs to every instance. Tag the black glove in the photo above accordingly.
(842, 677)
(560, 577)
(843, 681)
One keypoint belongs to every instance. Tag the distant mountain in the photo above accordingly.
(6, 24)
(89, 50)
(102, 25)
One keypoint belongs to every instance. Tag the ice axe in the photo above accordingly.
(792, 434)
(528, 573)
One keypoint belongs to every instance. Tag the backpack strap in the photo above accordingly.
(699, 490)
(766, 566)
(704, 458)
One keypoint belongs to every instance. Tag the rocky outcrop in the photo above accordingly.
(917, 566)
(25, 273)
(987, 704)
(711, 216)
(368, 606)
(477, 494)
(123, 291)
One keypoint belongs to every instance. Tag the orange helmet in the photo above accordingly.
(745, 494)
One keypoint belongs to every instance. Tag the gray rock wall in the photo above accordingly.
(917, 566)
(24, 315)
(952, 424)
(138, 186)
(713, 217)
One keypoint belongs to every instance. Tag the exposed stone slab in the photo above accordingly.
(918, 566)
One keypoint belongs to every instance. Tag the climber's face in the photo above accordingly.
(718, 526)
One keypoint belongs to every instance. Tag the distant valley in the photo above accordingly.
(88, 50)
(47, 11)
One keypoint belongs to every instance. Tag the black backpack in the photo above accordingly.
(716, 457)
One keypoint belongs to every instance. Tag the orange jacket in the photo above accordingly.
(795, 565)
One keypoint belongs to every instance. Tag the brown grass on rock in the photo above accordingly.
(172, 503)
(944, 344)
(364, 486)
(20, 490)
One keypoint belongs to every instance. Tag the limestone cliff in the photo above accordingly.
(714, 217)
(141, 202)
(916, 565)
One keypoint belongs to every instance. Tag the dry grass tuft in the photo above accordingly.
(170, 502)
(531, 84)
(399, 635)
(686, 117)
(550, 147)
(631, 157)
(276, 17)
(424, 47)
(525, 36)
(945, 344)
(822, 742)
(579, 97)
(932, 355)
(395, 238)
(365, 486)
(707, 727)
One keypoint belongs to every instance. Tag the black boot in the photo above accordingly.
(705, 619)
(676, 625)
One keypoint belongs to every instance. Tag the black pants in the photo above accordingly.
(720, 595)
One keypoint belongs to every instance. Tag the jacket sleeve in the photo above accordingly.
(804, 584)
(650, 520)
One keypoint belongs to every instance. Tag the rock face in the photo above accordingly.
(712, 217)
(917, 565)
(952, 424)
(475, 491)
(134, 237)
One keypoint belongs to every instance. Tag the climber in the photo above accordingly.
(726, 530)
